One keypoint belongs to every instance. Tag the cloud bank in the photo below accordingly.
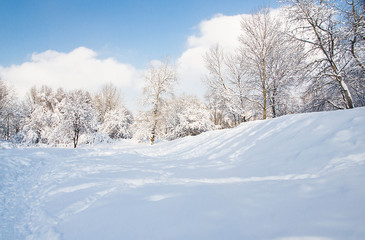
(222, 30)
(77, 69)
(81, 68)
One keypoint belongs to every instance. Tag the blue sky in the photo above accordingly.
(85, 44)
(130, 31)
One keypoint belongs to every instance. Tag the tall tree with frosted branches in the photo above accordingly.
(273, 61)
(259, 35)
(79, 115)
(160, 79)
(319, 26)
(8, 105)
(108, 98)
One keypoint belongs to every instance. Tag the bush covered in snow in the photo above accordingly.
(117, 123)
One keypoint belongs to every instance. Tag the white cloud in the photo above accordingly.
(220, 29)
(77, 69)
(81, 68)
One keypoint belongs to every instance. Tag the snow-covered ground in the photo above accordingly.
(294, 177)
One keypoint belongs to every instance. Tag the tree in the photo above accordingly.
(142, 125)
(41, 116)
(352, 24)
(218, 111)
(218, 92)
(286, 70)
(258, 76)
(226, 91)
(107, 99)
(186, 116)
(8, 112)
(79, 116)
(237, 71)
(117, 123)
(352, 14)
(159, 82)
(274, 63)
(319, 27)
(259, 36)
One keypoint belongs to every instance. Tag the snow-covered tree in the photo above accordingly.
(117, 123)
(330, 42)
(41, 116)
(179, 117)
(78, 116)
(107, 99)
(186, 116)
(273, 61)
(9, 117)
(142, 125)
(219, 113)
(160, 79)
(225, 85)
(258, 77)
(352, 15)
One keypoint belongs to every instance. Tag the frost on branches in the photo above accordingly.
(142, 126)
(159, 82)
(333, 33)
(79, 116)
(117, 123)
(8, 112)
(61, 118)
(41, 116)
(179, 117)
(187, 116)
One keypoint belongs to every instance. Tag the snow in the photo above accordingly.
(297, 177)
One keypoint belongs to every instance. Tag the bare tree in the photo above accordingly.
(319, 28)
(4, 95)
(285, 71)
(236, 73)
(271, 58)
(226, 92)
(7, 111)
(218, 91)
(353, 18)
(159, 82)
(107, 99)
(259, 76)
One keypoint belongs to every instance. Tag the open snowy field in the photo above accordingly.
(294, 177)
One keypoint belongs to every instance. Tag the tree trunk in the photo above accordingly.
(273, 107)
(153, 132)
(8, 128)
(264, 93)
(273, 101)
(76, 139)
(347, 93)
(264, 107)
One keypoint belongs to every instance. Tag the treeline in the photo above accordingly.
(62, 118)
(308, 57)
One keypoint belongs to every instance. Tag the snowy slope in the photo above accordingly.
(294, 177)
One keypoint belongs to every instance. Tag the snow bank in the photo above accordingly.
(5, 145)
(294, 177)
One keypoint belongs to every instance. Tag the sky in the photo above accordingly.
(84, 43)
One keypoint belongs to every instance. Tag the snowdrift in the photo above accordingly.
(295, 177)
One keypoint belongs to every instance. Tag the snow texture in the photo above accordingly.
(294, 177)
